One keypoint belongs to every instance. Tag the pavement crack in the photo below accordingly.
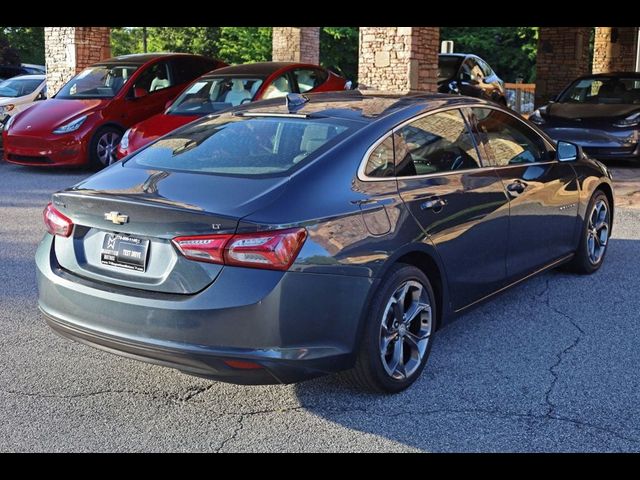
(553, 369)
(234, 434)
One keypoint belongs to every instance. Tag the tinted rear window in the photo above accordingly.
(245, 146)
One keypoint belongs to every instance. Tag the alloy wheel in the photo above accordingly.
(598, 232)
(107, 146)
(405, 330)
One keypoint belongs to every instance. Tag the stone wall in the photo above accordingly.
(563, 55)
(614, 49)
(70, 49)
(296, 44)
(399, 59)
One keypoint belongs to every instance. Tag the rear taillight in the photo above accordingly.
(274, 250)
(204, 248)
(56, 222)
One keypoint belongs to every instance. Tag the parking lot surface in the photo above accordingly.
(551, 365)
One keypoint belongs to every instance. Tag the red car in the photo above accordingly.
(230, 87)
(83, 123)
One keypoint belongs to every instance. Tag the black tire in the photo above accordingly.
(95, 160)
(369, 372)
(583, 262)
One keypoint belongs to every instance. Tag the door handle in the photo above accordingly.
(434, 203)
(517, 187)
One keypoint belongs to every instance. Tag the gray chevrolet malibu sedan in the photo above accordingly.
(297, 237)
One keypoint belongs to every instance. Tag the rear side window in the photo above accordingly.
(309, 78)
(440, 142)
(254, 146)
(188, 69)
(154, 78)
(380, 163)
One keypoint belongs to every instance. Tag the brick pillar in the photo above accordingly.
(614, 49)
(70, 49)
(399, 59)
(563, 55)
(296, 44)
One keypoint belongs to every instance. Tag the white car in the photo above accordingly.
(19, 93)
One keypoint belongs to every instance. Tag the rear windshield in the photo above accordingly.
(244, 146)
(448, 66)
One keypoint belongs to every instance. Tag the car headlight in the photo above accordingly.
(630, 121)
(124, 141)
(71, 126)
(9, 122)
(536, 117)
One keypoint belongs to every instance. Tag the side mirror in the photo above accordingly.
(568, 152)
(348, 85)
(139, 92)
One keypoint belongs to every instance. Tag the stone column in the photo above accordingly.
(563, 55)
(296, 44)
(70, 49)
(399, 59)
(614, 49)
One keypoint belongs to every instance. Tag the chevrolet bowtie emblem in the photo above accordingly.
(116, 218)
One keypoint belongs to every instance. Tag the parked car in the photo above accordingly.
(83, 123)
(467, 74)
(284, 240)
(19, 93)
(10, 71)
(34, 69)
(229, 87)
(600, 112)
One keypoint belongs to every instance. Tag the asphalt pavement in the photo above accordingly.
(551, 365)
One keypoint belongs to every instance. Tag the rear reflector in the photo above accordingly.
(243, 365)
(274, 250)
(56, 222)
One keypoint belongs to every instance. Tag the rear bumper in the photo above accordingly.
(294, 325)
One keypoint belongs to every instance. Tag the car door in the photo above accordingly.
(157, 83)
(459, 202)
(543, 193)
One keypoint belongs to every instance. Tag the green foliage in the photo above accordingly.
(244, 44)
(511, 51)
(339, 50)
(22, 45)
(200, 40)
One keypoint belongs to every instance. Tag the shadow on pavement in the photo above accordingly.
(548, 365)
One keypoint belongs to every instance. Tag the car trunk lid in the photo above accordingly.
(144, 210)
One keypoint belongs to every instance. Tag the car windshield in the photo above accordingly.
(244, 146)
(18, 87)
(215, 94)
(99, 81)
(448, 66)
(603, 90)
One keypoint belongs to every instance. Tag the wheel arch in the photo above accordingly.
(426, 258)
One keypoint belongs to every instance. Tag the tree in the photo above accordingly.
(511, 51)
(339, 50)
(244, 44)
(22, 44)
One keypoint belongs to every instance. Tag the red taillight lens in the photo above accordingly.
(204, 248)
(274, 250)
(57, 223)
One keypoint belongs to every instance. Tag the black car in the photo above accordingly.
(305, 235)
(467, 74)
(599, 112)
(10, 71)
